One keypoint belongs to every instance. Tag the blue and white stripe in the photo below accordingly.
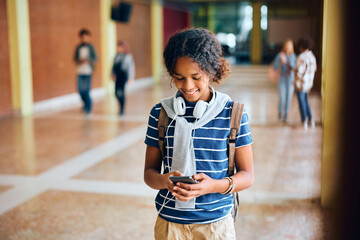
(210, 146)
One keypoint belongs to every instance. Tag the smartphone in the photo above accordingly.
(183, 179)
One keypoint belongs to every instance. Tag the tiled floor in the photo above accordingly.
(67, 176)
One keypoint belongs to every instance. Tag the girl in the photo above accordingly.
(285, 61)
(196, 144)
(123, 70)
(304, 77)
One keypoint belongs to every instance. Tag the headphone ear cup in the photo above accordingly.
(179, 106)
(200, 109)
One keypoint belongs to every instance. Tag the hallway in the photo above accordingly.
(67, 176)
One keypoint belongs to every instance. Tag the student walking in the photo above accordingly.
(123, 71)
(85, 56)
(285, 60)
(196, 144)
(304, 77)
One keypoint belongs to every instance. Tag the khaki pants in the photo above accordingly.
(223, 229)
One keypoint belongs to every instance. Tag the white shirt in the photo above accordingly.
(84, 68)
(305, 71)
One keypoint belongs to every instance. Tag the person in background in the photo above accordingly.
(304, 77)
(85, 56)
(285, 61)
(123, 71)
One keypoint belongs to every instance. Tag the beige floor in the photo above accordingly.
(67, 176)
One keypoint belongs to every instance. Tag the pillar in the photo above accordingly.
(333, 77)
(156, 39)
(20, 56)
(108, 44)
(255, 45)
(211, 17)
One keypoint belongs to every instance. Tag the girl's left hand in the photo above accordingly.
(282, 58)
(186, 192)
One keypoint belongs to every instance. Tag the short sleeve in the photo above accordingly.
(244, 136)
(293, 61)
(152, 133)
(277, 61)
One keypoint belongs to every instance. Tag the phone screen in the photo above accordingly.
(183, 179)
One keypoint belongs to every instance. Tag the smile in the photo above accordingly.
(191, 93)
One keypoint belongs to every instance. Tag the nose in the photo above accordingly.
(188, 84)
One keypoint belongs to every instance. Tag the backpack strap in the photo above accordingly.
(162, 126)
(235, 121)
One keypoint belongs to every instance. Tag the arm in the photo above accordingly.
(244, 177)
(93, 57)
(292, 61)
(113, 75)
(131, 68)
(76, 56)
(277, 61)
(152, 176)
(300, 69)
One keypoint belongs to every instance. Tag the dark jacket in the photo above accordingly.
(92, 53)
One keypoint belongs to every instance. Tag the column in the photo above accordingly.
(108, 44)
(255, 45)
(211, 17)
(156, 39)
(20, 56)
(333, 76)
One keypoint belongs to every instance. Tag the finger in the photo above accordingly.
(170, 186)
(181, 197)
(187, 187)
(185, 198)
(185, 193)
(199, 176)
(177, 173)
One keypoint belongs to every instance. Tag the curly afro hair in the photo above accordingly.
(305, 43)
(202, 47)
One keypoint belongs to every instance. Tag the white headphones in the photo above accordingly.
(200, 107)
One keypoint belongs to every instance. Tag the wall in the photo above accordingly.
(5, 81)
(136, 33)
(54, 27)
(173, 21)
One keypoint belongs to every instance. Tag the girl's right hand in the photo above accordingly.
(282, 58)
(170, 185)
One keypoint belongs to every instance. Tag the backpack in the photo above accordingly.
(235, 121)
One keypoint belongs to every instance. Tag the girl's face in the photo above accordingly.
(120, 49)
(288, 47)
(191, 81)
(85, 38)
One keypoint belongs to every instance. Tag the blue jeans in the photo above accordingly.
(84, 87)
(304, 106)
(286, 91)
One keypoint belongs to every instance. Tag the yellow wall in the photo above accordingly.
(108, 44)
(20, 56)
(211, 17)
(256, 47)
(156, 39)
(332, 99)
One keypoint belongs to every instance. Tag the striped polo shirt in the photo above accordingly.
(210, 146)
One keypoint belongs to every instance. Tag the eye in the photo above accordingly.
(177, 78)
(196, 78)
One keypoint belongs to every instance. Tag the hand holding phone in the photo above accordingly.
(183, 179)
